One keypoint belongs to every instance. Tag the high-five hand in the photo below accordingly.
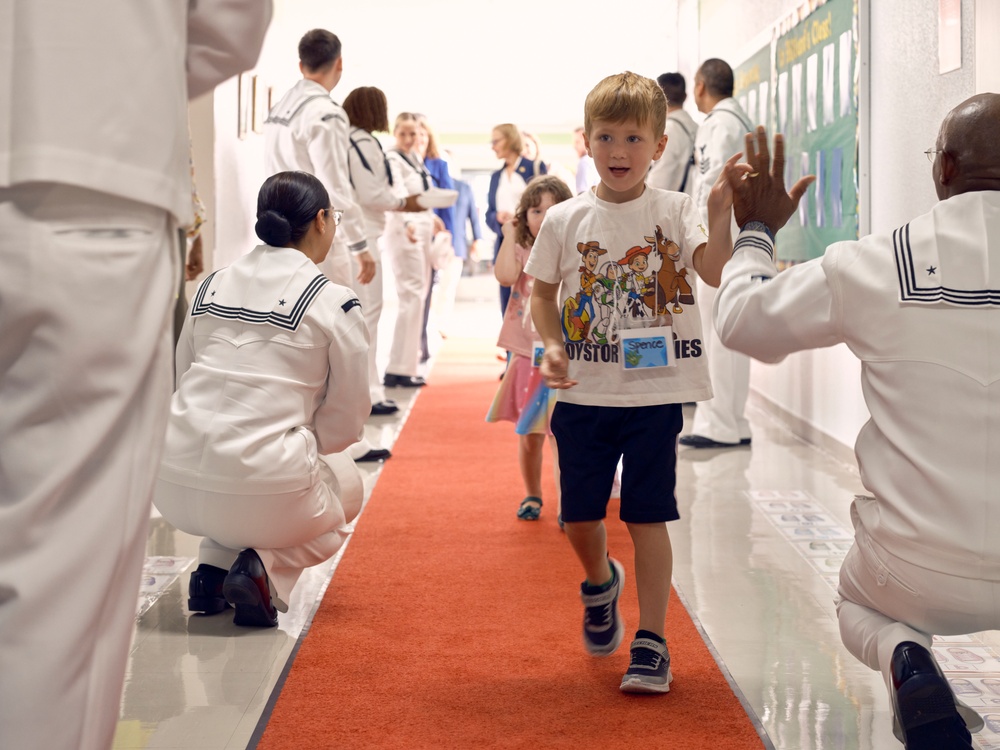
(759, 186)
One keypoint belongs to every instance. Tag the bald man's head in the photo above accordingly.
(969, 145)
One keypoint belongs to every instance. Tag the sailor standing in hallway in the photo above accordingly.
(675, 170)
(921, 309)
(407, 243)
(307, 131)
(378, 191)
(94, 185)
(720, 421)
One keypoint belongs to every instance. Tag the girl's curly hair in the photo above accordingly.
(531, 197)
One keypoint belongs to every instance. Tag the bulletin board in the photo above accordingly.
(752, 88)
(804, 84)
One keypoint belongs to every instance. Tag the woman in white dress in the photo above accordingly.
(272, 386)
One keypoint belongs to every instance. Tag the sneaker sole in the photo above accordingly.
(638, 685)
(619, 636)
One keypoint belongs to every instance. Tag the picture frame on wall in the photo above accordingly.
(244, 104)
(260, 105)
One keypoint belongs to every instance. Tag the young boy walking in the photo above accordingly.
(620, 388)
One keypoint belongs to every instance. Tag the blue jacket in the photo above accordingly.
(466, 212)
(438, 169)
(524, 168)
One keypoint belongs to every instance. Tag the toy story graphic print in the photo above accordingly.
(623, 291)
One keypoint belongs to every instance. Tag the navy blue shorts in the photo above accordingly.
(591, 439)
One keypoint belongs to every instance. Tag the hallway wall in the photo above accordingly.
(903, 100)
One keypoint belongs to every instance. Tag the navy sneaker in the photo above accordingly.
(649, 668)
(603, 628)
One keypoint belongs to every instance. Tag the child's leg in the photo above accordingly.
(555, 470)
(530, 458)
(589, 540)
(585, 480)
(654, 564)
(647, 503)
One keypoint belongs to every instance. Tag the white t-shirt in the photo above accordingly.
(583, 245)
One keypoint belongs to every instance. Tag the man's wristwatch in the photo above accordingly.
(757, 226)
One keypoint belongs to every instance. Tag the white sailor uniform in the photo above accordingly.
(411, 264)
(721, 418)
(271, 377)
(921, 309)
(307, 131)
(377, 190)
(94, 182)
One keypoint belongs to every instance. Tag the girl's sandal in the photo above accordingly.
(530, 508)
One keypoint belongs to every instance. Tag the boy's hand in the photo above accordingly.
(759, 187)
(720, 198)
(555, 368)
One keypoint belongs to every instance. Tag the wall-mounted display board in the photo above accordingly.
(804, 84)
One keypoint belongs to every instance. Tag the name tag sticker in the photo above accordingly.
(538, 351)
(647, 347)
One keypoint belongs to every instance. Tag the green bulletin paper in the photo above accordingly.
(752, 88)
(804, 85)
(815, 105)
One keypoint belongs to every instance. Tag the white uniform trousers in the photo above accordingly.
(87, 286)
(370, 295)
(721, 417)
(884, 601)
(289, 531)
(411, 266)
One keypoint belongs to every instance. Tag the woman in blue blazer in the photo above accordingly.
(506, 186)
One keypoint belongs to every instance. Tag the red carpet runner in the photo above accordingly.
(451, 624)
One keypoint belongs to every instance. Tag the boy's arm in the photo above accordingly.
(545, 316)
(506, 269)
(712, 256)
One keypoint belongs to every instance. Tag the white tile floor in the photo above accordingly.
(756, 554)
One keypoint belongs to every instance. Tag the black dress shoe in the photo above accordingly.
(923, 702)
(698, 441)
(404, 381)
(382, 408)
(247, 589)
(376, 454)
(205, 590)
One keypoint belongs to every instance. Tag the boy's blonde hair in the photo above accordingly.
(531, 197)
(626, 96)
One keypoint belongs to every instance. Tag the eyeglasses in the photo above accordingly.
(931, 153)
(337, 215)
(495, 141)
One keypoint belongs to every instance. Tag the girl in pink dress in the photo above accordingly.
(523, 397)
